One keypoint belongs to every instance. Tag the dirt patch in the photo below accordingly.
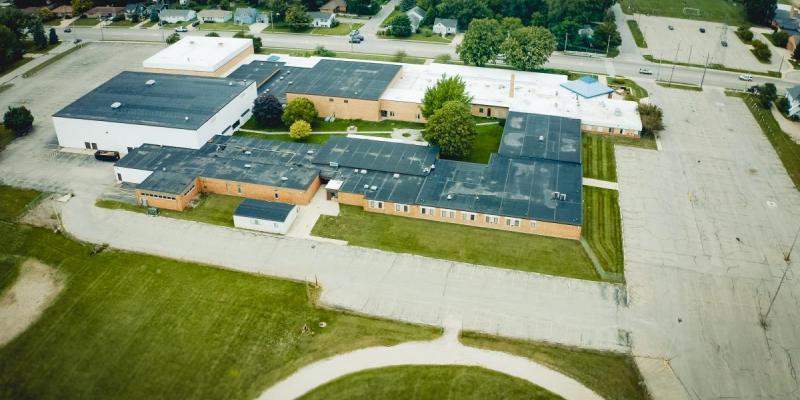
(45, 213)
(35, 289)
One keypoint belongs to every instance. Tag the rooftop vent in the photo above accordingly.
(449, 197)
(541, 138)
(150, 82)
(230, 83)
(373, 187)
(396, 176)
(366, 186)
(363, 171)
(115, 105)
(334, 164)
(248, 152)
(248, 166)
(283, 178)
(164, 169)
(186, 118)
(310, 152)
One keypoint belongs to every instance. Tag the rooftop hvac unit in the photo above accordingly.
(310, 152)
(562, 197)
(433, 166)
(555, 195)
(426, 169)
(363, 171)
(366, 186)
(396, 176)
(283, 178)
(230, 83)
(248, 152)
(115, 105)
(291, 82)
(150, 82)
(449, 197)
(373, 187)
(248, 166)
(541, 138)
(186, 118)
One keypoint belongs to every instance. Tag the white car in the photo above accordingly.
(181, 29)
(645, 71)
(746, 77)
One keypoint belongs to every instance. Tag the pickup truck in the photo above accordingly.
(106, 155)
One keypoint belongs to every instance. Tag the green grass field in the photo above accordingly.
(636, 92)
(9, 270)
(122, 24)
(487, 141)
(218, 26)
(562, 257)
(788, 150)
(613, 376)
(638, 37)
(425, 382)
(6, 136)
(339, 30)
(599, 161)
(214, 209)
(85, 22)
(134, 326)
(602, 226)
(710, 10)
(13, 201)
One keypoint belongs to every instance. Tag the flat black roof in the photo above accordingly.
(378, 155)
(172, 101)
(266, 210)
(541, 136)
(348, 79)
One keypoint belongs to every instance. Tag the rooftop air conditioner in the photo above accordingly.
(363, 171)
(396, 176)
(283, 178)
(373, 187)
(115, 105)
(150, 82)
(248, 166)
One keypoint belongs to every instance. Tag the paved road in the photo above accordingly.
(446, 350)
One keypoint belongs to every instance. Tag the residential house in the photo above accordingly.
(218, 16)
(793, 95)
(334, 6)
(157, 8)
(416, 15)
(106, 12)
(445, 26)
(30, 10)
(586, 32)
(63, 11)
(175, 16)
(322, 19)
(133, 9)
(786, 19)
(245, 16)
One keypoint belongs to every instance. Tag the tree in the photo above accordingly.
(53, 37)
(760, 11)
(761, 50)
(581, 11)
(796, 53)
(45, 14)
(297, 17)
(606, 36)
(8, 46)
(174, 37)
(300, 108)
(780, 38)
(256, 40)
(278, 8)
(154, 14)
(267, 110)
(744, 33)
(136, 18)
(452, 128)
(39, 38)
(509, 24)
(212, 34)
(528, 48)
(81, 6)
(769, 90)
(652, 118)
(19, 120)
(446, 89)
(463, 10)
(401, 26)
(300, 129)
(406, 5)
(481, 42)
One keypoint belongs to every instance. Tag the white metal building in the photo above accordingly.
(265, 216)
(134, 108)
(200, 55)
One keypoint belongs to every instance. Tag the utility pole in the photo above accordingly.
(705, 67)
(788, 255)
(608, 46)
(780, 66)
(566, 35)
(689, 60)
(670, 75)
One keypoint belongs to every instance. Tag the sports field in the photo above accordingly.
(709, 10)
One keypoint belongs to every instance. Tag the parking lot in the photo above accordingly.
(686, 44)
(32, 160)
(705, 223)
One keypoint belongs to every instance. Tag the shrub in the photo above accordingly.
(780, 38)
(19, 120)
(173, 38)
(299, 109)
(652, 118)
(400, 56)
(300, 129)
(323, 52)
(761, 51)
(744, 33)
(267, 110)
(427, 32)
(212, 34)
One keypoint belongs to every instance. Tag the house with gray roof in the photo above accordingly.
(245, 16)
(322, 19)
(218, 16)
(416, 15)
(445, 26)
(174, 16)
(793, 95)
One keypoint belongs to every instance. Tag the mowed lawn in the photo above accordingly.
(468, 244)
(602, 226)
(427, 382)
(611, 375)
(599, 160)
(133, 326)
(731, 12)
(214, 209)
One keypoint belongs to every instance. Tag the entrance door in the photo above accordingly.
(488, 111)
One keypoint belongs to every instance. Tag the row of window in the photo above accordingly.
(385, 113)
(158, 196)
(330, 99)
(451, 214)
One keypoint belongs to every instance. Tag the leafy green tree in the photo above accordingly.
(760, 11)
(45, 14)
(278, 8)
(481, 42)
(796, 53)
(39, 38)
(769, 90)
(300, 108)
(81, 6)
(19, 120)
(9, 47)
(448, 88)
(510, 24)
(652, 118)
(452, 128)
(256, 40)
(401, 26)
(581, 11)
(297, 17)
(605, 36)
(780, 38)
(53, 37)
(300, 129)
(267, 110)
(528, 48)
(463, 10)
(154, 15)
(16, 21)
(406, 5)
(174, 37)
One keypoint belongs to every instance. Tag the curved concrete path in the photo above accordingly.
(21, 305)
(444, 351)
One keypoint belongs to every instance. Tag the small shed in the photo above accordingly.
(265, 216)
(587, 87)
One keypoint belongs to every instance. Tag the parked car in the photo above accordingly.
(181, 29)
(645, 71)
(746, 77)
(76, 41)
(672, 28)
(724, 43)
(67, 30)
(702, 30)
(355, 39)
(106, 155)
(195, 23)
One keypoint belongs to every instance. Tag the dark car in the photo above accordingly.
(672, 28)
(702, 30)
(76, 41)
(354, 39)
(724, 43)
(67, 30)
(195, 23)
(106, 155)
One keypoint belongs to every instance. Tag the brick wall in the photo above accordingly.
(259, 192)
(367, 110)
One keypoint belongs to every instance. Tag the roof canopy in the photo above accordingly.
(587, 87)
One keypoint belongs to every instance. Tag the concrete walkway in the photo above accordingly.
(444, 351)
(600, 183)
(790, 127)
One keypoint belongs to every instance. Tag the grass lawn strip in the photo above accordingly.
(599, 161)
(339, 30)
(129, 325)
(636, 92)
(554, 256)
(602, 227)
(710, 10)
(788, 150)
(33, 71)
(611, 375)
(343, 54)
(429, 382)
(638, 37)
(681, 86)
(6, 137)
(213, 209)
(720, 67)
(88, 22)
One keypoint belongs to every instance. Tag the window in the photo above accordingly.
(245, 112)
(384, 113)
(119, 177)
(448, 213)
(88, 145)
(376, 204)
(429, 211)
(480, 110)
(403, 208)
(346, 101)
(512, 222)
(491, 219)
(330, 99)
(533, 224)
(276, 195)
(468, 216)
(238, 188)
(235, 124)
(94, 146)
(418, 116)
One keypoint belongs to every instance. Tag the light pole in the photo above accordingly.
(787, 257)
(705, 67)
